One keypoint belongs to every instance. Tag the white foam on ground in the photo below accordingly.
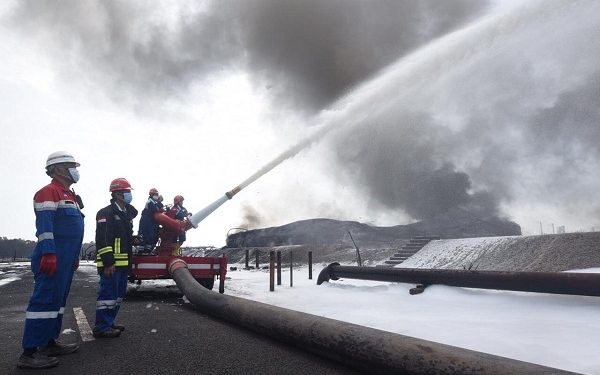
(456, 253)
(533, 327)
(8, 280)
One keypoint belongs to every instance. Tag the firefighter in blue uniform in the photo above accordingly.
(59, 230)
(114, 241)
(180, 213)
(148, 228)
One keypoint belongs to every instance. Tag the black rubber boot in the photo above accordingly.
(36, 360)
(56, 348)
(108, 334)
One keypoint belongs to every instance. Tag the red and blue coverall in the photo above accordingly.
(180, 213)
(148, 227)
(59, 230)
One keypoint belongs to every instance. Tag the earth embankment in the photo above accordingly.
(553, 252)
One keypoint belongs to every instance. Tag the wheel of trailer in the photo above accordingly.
(207, 283)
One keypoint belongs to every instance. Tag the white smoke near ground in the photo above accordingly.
(251, 218)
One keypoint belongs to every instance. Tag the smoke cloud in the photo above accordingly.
(306, 53)
(519, 117)
(516, 117)
(251, 218)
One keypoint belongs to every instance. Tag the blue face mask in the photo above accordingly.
(127, 197)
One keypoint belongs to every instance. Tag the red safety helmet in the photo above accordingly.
(178, 199)
(119, 184)
(153, 191)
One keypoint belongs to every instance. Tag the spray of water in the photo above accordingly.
(417, 75)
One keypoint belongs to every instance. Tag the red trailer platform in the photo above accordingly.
(204, 269)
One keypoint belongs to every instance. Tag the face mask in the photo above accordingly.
(74, 174)
(127, 197)
(155, 197)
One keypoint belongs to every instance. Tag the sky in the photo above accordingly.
(488, 106)
(533, 327)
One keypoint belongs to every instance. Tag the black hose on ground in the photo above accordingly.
(363, 348)
(572, 283)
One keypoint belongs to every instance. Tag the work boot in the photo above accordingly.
(120, 327)
(36, 360)
(56, 348)
(108, 334)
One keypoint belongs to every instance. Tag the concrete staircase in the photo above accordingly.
(407, 250)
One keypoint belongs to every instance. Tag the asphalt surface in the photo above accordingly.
(164, 335)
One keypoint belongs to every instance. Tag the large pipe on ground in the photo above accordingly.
(583, 284)
(369, 349)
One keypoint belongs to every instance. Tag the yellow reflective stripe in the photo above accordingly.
(117, 245)
(118, 263)
(104, 250)
(121, 256)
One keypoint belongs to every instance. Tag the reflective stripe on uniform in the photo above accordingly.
(106, 304)
(121, 259)
(45, 206)
(41, 314)
(118, 263)
(61, 311)
(46, 236)
(104, 250)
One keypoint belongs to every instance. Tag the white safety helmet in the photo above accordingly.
(60, 157)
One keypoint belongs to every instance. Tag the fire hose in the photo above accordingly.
(360, 347)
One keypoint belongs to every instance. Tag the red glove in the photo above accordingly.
(48, 264)
(76, 266)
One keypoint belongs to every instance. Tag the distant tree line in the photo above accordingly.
(20, 248)
(15, 248)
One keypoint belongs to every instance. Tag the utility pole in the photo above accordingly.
(541, 229)
(358, 259)
(553, 229)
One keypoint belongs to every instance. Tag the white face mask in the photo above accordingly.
(155, 197)
(74, 174)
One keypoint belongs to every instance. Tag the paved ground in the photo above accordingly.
(164, 335)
